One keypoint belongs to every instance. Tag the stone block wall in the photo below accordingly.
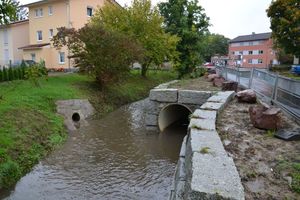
(161, 97)
(204, 170)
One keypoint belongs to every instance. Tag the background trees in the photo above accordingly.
(285, 24)
(144, 25)
(8, 11)
(104, 54)
(214, 44)
(187, 20)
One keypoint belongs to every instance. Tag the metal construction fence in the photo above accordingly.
(280, 90)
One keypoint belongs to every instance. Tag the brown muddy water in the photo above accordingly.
(113, 158)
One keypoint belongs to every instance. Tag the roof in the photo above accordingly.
(252, 37)
(47, 1)
(15, 23)
(37, 3)
(34, 46)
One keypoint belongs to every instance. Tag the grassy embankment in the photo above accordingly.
(30, 127)
(285, 70)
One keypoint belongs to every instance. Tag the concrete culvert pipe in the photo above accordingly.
(76, 117)
(173, 113)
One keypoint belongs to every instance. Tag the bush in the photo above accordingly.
(9, 173)
(36, 71)
(1, 75)
(106, 55)
(198, 72)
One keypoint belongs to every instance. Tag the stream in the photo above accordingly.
(113, 158)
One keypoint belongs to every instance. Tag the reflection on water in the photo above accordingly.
(113, 158)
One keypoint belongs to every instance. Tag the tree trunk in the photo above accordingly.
(144, 70)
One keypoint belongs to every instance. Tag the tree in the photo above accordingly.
(214, 44)
(187, 20)
(144, 25)
(106, 55)
(8, 11)
(285, 25)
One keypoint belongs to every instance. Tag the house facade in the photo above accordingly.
(12, 36)
(255, 50)
(45, 17)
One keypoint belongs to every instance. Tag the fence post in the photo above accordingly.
(274, 92)
(238, 76)
(251, 78)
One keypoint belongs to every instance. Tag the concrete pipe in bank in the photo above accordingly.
(173, 113)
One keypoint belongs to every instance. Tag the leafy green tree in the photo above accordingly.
(106, 55)
(10, 74)
(214, 44)
(8, 11)
(144, 24)
(285, 25)
(5, 74)
(187, 20)
(1, 75)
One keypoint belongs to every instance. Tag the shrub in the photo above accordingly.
(1, 75)
(198, 72)
(36, 71)
(104, 54)
(5, 74)
(9, 173)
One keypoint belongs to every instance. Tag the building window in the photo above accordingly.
(250, 43)
(250, 61)
(38, 12)
(5, 37)
(232, 53)
(6, 56)
(260, 52)
(50, 33)
(89, 11)
(61, 57)
(260, 61)
(39, 35)
(240, 53)
(250, 52)
(33, 57)
(50, 10)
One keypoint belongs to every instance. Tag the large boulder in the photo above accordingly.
(230, 86)
(211, 77)
(264, 117)
(218, 82)
(246, 96)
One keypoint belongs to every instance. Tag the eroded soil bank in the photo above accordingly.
(269, 167)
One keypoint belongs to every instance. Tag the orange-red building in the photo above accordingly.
(255, 50)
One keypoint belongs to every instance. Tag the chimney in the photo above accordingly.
(253, 33)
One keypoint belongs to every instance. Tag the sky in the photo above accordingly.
(230, 18)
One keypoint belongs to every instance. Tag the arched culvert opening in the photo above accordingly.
(76, 117)
(173, 113)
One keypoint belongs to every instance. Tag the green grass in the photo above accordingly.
(289, 75)
(293, 169)
(30, 127)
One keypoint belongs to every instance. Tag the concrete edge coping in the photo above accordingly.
(204, 138)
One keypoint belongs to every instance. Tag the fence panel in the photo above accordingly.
(263, 83)
(288, 94)
(281, 90)
(244, 77)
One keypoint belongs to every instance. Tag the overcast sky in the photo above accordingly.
(228, 17)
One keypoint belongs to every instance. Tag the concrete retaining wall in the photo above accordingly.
(67, 108)
(161, 97)
(204, 170)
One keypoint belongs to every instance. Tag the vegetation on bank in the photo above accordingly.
(285, 70)
(30, 127)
